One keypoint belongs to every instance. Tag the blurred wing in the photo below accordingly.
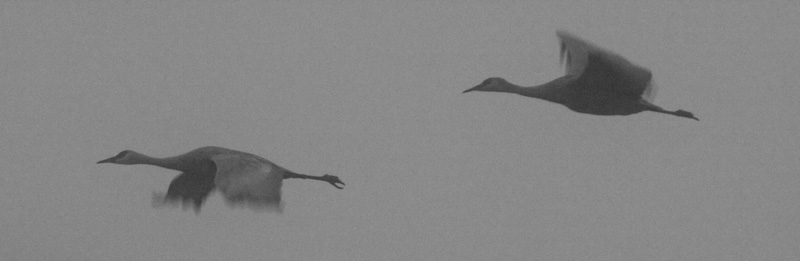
(600, 68)
(248, 181)
(187, 188)
(575, 51)
(650, 92)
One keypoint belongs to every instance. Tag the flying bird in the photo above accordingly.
(597, 81)
(243, 178)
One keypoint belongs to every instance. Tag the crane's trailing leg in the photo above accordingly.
(334, 180)
(680, 113)
(685, 114)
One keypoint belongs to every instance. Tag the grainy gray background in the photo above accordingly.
(371, 92)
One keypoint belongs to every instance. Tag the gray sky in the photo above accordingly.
(371, 92)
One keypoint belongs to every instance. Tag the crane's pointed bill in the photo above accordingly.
(107, 160)
(473, 88)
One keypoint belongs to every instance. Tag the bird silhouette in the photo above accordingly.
(597, 82)
(243, 178)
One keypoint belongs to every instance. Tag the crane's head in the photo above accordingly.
(126, 157)
(334, 180)
(494, 84)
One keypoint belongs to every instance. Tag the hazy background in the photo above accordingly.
(371, 91)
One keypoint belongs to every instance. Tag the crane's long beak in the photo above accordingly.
(106, 160)
(473, 88)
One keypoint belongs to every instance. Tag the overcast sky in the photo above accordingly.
(371, 92)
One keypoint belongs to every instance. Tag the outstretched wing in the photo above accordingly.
(187, 188)
(575, 51)
(248, 180)
(603, 69)
(649, 93)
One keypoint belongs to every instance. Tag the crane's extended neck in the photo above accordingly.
(174, 163)
(548, 91)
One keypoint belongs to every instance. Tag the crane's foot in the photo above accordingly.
(334, 180)
(686, 114)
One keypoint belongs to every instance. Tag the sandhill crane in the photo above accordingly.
(243, 178)
(597, 82)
